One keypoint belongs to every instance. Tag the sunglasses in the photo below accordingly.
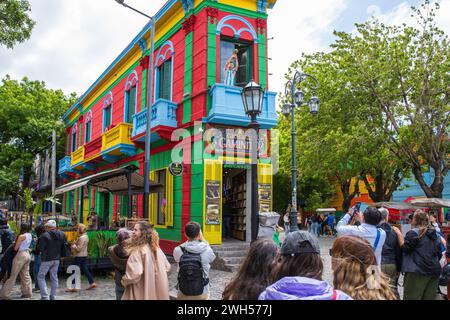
(331, 252)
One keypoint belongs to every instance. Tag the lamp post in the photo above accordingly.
(297, 97)
(252, 98)
(149, 116)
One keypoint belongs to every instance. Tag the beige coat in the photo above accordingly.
(80, 247)
(145, 278)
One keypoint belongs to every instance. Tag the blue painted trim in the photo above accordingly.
(237, 33)
(159, 56)
(188, 5)
(262, 4)
(132, 79)
(143, 45)
(86, 121)
(127, 149)
(169, 4)
(109, 101)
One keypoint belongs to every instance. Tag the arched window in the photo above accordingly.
(73, 139)
(107, 111)
(131, 97)
(88, 128)
(164, 71)
(236, 34)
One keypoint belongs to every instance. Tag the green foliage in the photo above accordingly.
(28, 114)
(99, 242)
(15, 22)
(403, 72)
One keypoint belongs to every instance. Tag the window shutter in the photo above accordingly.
(131, 104)
(169, 199)
(152, 202)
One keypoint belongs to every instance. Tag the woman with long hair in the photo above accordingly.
(80, 247)
(297, 275)
(421, 255)
(254, 274)
(21, 265)
(356, 271)
(147, 267)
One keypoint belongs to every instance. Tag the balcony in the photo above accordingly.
(65, 167)
(93, 149)
(227, 108)
(117, 143)
(78, 162)
(164, 120)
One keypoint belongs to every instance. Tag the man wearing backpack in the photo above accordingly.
(194, 259)
(7, 236)
(52, 246)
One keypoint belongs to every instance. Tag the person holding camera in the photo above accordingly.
(367, 230)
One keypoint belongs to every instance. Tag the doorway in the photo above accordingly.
(234, 208)
(104, 214)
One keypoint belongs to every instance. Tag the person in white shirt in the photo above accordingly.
(367, 230)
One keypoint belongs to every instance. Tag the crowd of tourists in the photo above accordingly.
(366, 261)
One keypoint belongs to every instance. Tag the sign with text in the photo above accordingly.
(213, 202)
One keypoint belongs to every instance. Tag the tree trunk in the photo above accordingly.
(348, 197)
(436, 188)
(385, 186)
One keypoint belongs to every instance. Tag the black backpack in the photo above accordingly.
(190, 275)
(7, 239)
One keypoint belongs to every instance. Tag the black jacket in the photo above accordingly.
(392, 252)
(422, 255)
(7, 237)
(51, 244)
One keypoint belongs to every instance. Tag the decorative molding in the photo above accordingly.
(188, 5)
(88, 117)
(213, 13)
(109, 99)
(261, 25)
(143, 45)
(237, 33)
(161, 57)
(189, 24)
(132, 80)
(145, 62)
(262, 4)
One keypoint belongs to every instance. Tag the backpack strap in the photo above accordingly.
(377, 240)
(334, 295)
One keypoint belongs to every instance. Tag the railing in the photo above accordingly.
(164, 113)
(65, 165)
(77, 156)
(227, 107)
(92, 149)
(120, 134)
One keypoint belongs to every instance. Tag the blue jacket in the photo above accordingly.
(300, 288)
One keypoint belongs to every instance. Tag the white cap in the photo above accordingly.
(51, 224)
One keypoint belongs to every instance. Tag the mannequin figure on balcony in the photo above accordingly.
(231, 67)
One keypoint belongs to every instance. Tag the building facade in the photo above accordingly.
(106, 128)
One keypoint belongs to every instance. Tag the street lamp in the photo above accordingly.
(297, 98)
(149, 116)
(252, 98)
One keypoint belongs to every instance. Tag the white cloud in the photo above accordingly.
(297, 29)
(373, 10)
(74, 41)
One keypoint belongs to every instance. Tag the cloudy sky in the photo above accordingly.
(74, 41)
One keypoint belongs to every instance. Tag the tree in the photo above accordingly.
(15, 23)
(28, 114)
(404, 70)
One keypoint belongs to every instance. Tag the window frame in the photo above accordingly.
(74, 134)
(88, 125)
(132, 82)
(159, 81)
(250, 64)
(108, 103)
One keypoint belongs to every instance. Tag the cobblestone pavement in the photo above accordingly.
(219, 279)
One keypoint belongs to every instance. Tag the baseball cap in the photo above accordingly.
(294, 243)
(51, 223)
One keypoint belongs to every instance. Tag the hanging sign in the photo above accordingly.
(176, 169)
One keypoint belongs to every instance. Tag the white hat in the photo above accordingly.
(51, 224)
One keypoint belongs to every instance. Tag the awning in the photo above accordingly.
(113, 181)
(401, 206)
(431, 203)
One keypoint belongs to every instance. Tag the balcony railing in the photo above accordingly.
(164, 113)
(77, 156)
(65, 165)
(227, 108)
(93, 149)
(120, 134)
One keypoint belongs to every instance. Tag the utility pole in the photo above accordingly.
(54, 173)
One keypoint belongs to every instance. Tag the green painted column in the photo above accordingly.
(188, 61)
(144, 89)
(262, 60)
(212, 63)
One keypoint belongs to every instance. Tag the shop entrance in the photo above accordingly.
(235, 205)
